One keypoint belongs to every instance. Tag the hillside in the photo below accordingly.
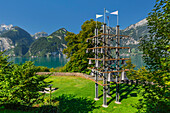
(49, 46)
(18, 39)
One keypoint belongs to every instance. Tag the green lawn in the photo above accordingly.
(77, 95)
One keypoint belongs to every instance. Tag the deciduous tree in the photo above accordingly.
(76, 47)
(156, 55)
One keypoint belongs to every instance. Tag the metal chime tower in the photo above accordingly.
(103, 61)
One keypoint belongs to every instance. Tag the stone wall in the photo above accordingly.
(64, 74)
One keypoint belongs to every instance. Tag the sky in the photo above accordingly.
(51, 15)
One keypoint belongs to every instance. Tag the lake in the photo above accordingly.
(59, 61)
(50, 62)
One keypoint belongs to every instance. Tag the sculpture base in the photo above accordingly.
(105, 106)
(96, 99)
(117, 102)
(108, 96)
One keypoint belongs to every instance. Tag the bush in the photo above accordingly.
(19, 84)
(42, 69)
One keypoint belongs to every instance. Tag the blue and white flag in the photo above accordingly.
(98, 16)
(114, 13)
(107, 11)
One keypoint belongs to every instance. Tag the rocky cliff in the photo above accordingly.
(135, 31)
(5, 44)
(16, 41)
(40, 34)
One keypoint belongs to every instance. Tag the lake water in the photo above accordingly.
(50, 62)
(138, 61)
(53, 62)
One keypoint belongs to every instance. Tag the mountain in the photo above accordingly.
(4, 27)
(16, 41)
(49, 46)
(40, 34)
(135, 31)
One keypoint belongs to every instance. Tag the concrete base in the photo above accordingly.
(96, 99)
(105, 106)
(108, 96)
(117, 102)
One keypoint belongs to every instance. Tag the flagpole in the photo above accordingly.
(96, 22)
(117, 20)
(108, 22)
(104, 15)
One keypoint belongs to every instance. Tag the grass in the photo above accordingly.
(76, 95)
(79, 89)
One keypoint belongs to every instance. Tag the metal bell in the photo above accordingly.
(93, 50)
(109, 77)
(129, 50)
(101, 50)
(92, 72)
(123, 75)
(87, 51)
(90, 62)
(97, 63)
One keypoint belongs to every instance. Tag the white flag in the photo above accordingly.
(107, 11)
(114, 13)
(98, 16)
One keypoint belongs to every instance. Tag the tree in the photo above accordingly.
(76, 47)
(19, 84)
(156, 50)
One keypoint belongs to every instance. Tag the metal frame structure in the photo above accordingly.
(102, 42)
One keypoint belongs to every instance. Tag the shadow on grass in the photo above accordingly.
(100, 96)
(128, 92)
(123, 88)
(71, 104)
(68, 103)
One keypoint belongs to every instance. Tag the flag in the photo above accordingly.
(98, 16)
(108, 17)
(107, 11)
(114, 13)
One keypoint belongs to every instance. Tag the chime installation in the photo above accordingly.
(105, 63)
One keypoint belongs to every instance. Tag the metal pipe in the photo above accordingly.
(96, 73)
(117, 62)
(108, 82)
(104, 68)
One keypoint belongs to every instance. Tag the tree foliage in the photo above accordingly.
(19, 84)
(77, 45)
(156, 50)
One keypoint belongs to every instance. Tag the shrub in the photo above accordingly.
(19, 84)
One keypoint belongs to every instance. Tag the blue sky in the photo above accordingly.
(51, 15)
